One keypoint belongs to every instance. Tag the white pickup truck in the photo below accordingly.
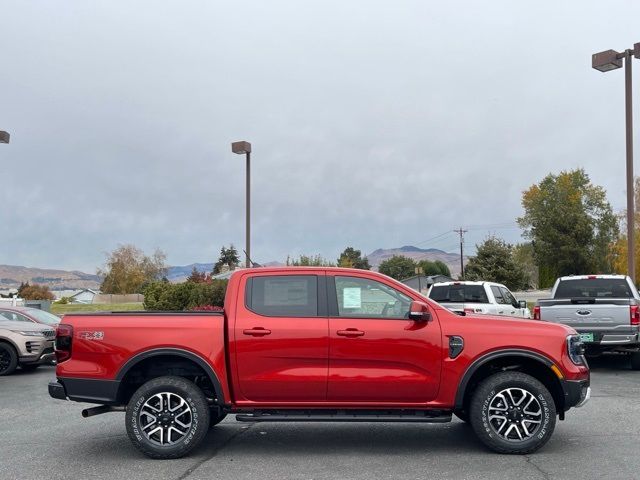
(603, 309)
(485, 298)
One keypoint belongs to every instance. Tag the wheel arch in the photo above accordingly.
(525, 361)
(145, 357)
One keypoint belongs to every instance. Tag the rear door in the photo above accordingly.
(376, 353)
(281, 338)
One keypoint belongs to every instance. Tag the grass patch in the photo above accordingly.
(58, 309)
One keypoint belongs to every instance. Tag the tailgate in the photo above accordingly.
(592, 315)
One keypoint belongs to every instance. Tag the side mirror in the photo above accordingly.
(522, 303)
(419, 312)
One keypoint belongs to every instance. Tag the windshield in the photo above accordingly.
(594, 288)
(458, 294)
(44, 317)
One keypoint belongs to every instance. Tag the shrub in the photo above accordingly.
(166, 296)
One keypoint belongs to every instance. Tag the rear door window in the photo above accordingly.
(283, 295)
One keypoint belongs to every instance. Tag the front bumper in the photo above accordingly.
(576, 393)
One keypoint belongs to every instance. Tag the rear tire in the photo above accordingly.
(8, 359)
(512, 412)
(167, 417)
(635, 361)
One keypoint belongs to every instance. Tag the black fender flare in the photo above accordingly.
(488, 357)
(133, 361)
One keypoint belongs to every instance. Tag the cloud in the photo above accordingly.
(373, 125)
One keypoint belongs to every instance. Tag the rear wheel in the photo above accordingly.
(8, 359)
(512, 412)
(635, 360)
(167, 417)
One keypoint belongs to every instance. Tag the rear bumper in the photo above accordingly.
(576, 392)
(85, 390)
(610, 338)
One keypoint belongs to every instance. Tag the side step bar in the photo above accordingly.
(425, 416)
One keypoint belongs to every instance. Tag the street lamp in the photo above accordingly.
(245, 148)
(604, 62)
(4, 137)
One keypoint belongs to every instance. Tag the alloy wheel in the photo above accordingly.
(515, 414)
(165, 418)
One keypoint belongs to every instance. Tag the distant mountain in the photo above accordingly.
(451, 259)
(180, 273)
(11, 276)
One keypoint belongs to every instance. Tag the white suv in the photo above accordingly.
(485, 298)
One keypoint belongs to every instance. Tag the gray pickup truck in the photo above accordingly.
(603, 309)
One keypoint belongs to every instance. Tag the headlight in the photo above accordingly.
(575, 349)
(29, 333)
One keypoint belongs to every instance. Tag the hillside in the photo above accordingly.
(11, 276)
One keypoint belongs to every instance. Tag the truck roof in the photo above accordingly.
(466, 282)
(588, 277)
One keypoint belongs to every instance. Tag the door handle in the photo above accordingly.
(501, 311)
(350, 332)
(257, 332)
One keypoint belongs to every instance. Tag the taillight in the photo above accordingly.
(64, 337)
(536, 312)
(634, 315)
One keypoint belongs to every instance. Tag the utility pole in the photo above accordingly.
(461, 232)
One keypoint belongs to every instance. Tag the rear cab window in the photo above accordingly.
(594, 288)
(459, 294)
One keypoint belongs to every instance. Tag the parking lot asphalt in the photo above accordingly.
(43, 438)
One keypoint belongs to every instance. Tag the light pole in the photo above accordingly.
(245, 148)
(4, 137)
(604, 62)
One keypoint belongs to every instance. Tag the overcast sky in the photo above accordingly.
(373, 124)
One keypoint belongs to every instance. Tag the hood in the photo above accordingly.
(519, 324)
(24, 326)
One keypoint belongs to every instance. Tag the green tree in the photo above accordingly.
(309, 261)
(570, 224)
(128, 269)
(398, 267)
(494, 262)
(434, 268)
(229, 257)
(523, 256)
(352, 258)
(34, 292)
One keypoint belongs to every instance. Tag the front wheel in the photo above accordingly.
(167, 417)
(512, 412)
(8, 359)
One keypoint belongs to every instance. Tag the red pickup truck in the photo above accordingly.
(320, 344)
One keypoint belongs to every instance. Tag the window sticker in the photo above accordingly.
(352, 297)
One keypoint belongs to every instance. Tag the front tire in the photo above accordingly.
(8, 359)
(513, 413)
(167, 417)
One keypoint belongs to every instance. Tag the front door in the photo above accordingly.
(376, 354)
(281, 339)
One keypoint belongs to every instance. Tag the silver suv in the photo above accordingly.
(24, 344)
